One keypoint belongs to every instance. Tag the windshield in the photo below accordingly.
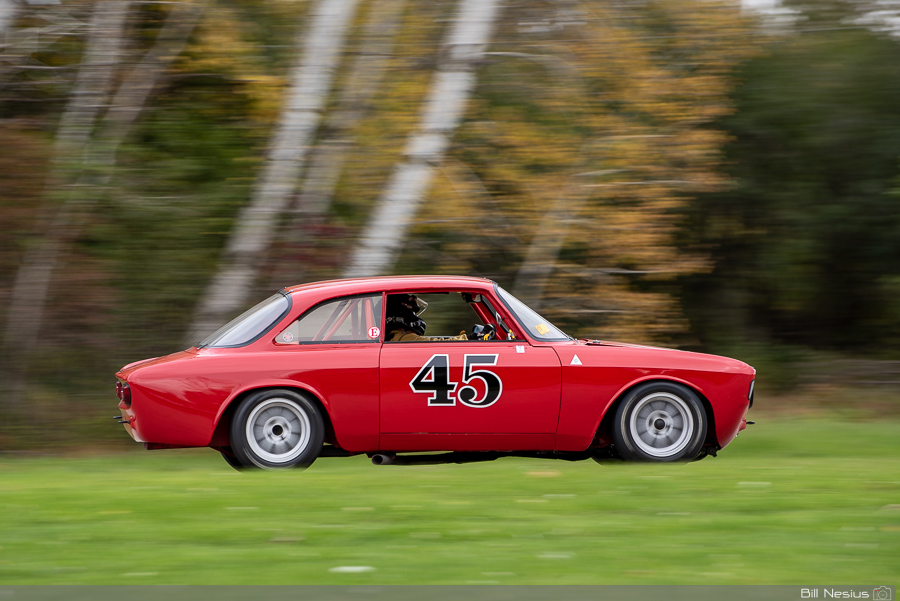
(538, 327)
(249, 326)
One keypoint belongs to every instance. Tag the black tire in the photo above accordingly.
(275, 429)
(660, 421)
(231, 460)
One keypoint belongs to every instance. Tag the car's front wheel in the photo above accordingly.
(660, 421)
(230, 459)
(275, 429)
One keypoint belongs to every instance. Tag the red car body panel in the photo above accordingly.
(609, 369)
(524, 417)
(542, 396)
(177, 406)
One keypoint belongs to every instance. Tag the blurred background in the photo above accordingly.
(710, 175)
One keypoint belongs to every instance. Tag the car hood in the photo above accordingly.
(651, 356)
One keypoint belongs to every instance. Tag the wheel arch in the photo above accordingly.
(221, 436)
(603, 433)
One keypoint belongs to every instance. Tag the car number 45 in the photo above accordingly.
(433, 379)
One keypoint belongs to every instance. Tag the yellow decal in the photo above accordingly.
(542, 329)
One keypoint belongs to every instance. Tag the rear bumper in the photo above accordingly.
(127, 421)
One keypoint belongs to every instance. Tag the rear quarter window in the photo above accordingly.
(250, 325)
(353, 319)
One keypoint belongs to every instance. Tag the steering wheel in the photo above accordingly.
(483, 332)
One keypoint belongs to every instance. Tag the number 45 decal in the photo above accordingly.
(434, 379)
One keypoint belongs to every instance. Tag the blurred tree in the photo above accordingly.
(96, 120)
(92, 87)
(557, 163)
(837, 14)
(318, 50)
(39, 53)
(21, 184)
(588, 133)
(136, 85)
(311, 207)
(805, 239)
(386, 232)
(8, 10)
(183, 175)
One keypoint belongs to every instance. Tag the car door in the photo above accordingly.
(332, 350)
(468, 395)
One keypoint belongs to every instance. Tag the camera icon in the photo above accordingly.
(882, 593)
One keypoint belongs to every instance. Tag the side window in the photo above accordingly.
(355, 319)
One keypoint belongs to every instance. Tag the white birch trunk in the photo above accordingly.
(311, 207)
(139, 82)
(8, 10)
(44, 25)
(311, 83)
(367, 71)
(30, 289)
(453, 82)
(95, 76)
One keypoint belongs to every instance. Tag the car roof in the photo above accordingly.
(393, 283)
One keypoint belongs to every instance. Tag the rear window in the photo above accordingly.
(250, 325)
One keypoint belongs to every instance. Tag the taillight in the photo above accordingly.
(123, 392)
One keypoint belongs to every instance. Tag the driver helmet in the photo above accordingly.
(402, 313)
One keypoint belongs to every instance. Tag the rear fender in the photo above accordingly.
(221, 436)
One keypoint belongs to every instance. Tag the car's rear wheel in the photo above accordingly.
(660, 421)
(277, 429)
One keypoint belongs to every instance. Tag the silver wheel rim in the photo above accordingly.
(277, 430)
(662, 424)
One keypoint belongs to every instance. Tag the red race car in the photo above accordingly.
(344, 367)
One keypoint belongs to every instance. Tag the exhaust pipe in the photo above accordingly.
(383, 458)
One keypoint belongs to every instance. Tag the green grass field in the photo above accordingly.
(791, 501)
